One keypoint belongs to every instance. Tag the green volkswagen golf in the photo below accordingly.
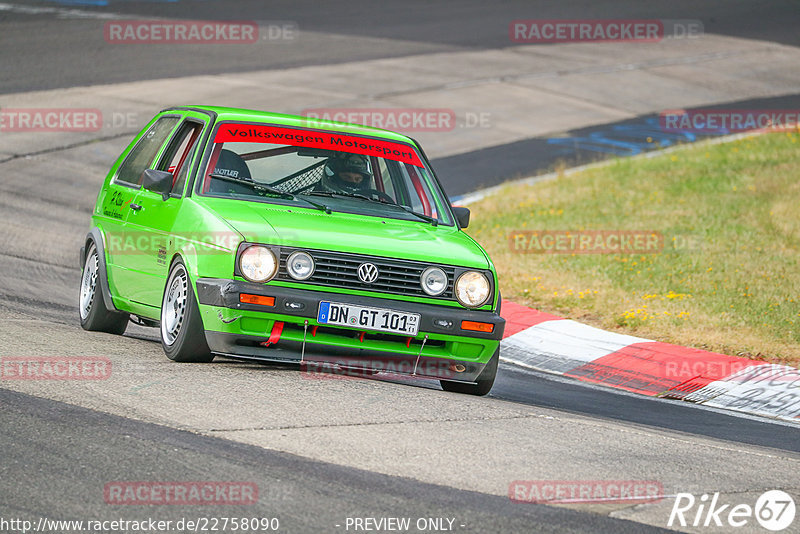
(273, 237)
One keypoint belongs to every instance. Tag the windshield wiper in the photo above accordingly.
(347, 195)
(426, 218)
(269, 189)
(433, 220)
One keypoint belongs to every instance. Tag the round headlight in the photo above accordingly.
(258, 264)
(300, 265)
(433, 281)
(472, 289)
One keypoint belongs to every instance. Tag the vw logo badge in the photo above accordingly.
(367, 273)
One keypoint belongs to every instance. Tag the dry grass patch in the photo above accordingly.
(728, 276)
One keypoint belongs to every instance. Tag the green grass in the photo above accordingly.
(734, 289)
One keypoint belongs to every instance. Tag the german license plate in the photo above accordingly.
(378, 319)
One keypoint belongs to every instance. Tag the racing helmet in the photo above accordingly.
(346, 163)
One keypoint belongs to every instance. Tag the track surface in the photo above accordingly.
(94, 448)
(57, 50)
(320, 451)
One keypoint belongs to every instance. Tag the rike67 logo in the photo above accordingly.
(774, 510)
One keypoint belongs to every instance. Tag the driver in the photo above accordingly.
(346, 173)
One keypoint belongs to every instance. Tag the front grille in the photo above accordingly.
(339, 269)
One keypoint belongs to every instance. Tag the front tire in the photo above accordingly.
(92, 310)
(483, 384)
(182, 335)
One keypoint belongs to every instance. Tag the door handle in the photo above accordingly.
(135, 207)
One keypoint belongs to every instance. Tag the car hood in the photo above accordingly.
(346, 232)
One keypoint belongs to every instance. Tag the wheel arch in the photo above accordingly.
(189, 260)
(187, 256)
(191, 273)
(97, 237)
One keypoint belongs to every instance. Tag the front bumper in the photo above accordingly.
(288, 328)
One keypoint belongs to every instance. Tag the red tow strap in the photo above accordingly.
(275, 335)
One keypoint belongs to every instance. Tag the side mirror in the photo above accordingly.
(157, 181)
(462, 215)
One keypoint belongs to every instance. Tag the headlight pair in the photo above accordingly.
(259, 264)
(472, 288)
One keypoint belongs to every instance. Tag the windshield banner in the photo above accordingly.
(254, 133)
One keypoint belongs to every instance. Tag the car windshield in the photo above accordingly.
(341, 172)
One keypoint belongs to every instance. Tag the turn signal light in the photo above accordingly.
(256, 299)
(477, 327)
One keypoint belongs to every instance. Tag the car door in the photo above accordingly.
(115, 205)
(151, 222)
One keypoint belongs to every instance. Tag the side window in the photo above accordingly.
(386, 177)
(183, 172)
(415, 191)
(421, 192)
(392, 173)
(178, 157)
(141, 157)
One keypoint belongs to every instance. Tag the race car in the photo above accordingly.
(281, 238)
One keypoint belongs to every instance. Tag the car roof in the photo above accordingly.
(250, 115)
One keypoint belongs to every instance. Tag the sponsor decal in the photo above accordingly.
(254, 133)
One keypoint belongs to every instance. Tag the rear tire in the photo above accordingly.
(92, 310)
(483, 384)
(182, 335)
